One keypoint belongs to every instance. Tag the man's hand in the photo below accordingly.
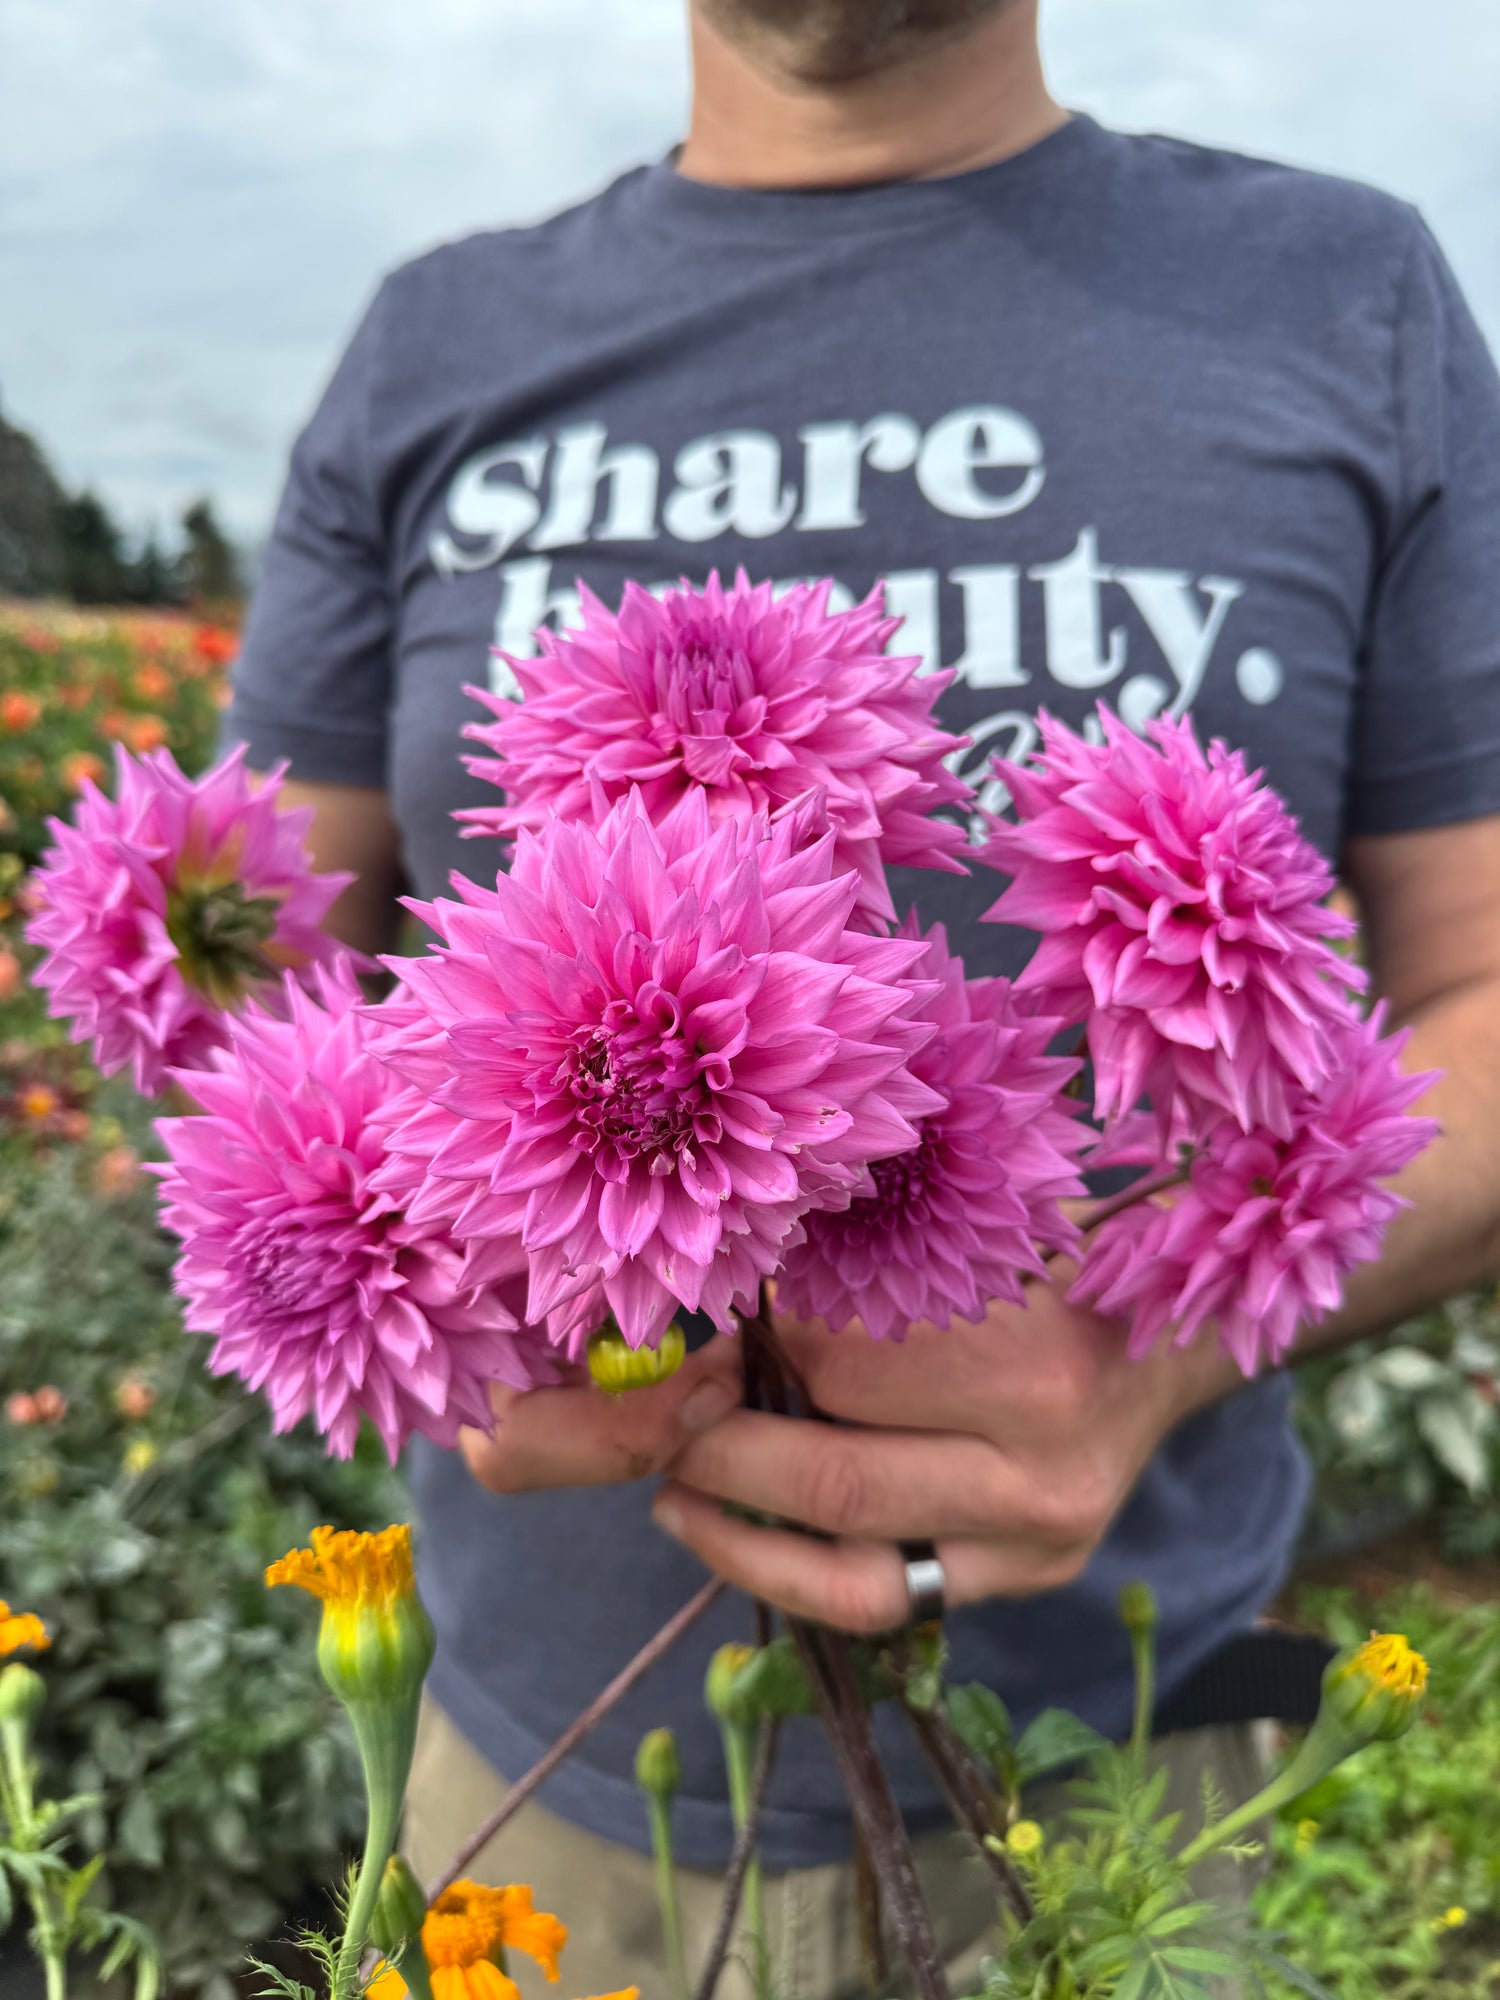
(1013, 1444)
(577, 1436)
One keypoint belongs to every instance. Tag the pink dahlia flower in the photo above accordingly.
(756, 698)
(956, 1221)
(313, 1286)
(645, 1053)
(1182, 915)
(163, 907)
(1263, 1235)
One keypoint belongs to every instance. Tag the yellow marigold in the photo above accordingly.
(376, 1641)
(466, 1930)
(348, 1570)
(19, 1629)
(1374, 1690)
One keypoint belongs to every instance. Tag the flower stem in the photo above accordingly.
(1143, 1646)
(1322, 1749)
(380, 1843)
(1141, 1190)
(739, 1756)
(739, 1862)
(413, 1969)
(20, 1806)
(666, 1894)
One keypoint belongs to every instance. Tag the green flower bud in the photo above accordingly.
(22, 1693)
(721, 1690)
(658, 1769)
(1138, 1608)
(1374, 1691)
(401, 1909)
(618, 1367)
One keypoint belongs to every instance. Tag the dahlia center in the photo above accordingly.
(220, 932)
(287, 1269)
(901, 1184)
(639, 1093)
(701, 687)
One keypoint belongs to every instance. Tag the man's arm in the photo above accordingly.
(1015, 1443)
(353, 833)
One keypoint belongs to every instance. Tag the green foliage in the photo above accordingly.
(181, 1692)
(1375, 1864)
(1413, 1422)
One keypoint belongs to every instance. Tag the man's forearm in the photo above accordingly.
(1449, 1239)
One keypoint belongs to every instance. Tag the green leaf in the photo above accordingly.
(982, 1722)
(1454, 1430)
(1054, 1740)
(1296, 1976)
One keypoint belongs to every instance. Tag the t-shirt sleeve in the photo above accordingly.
(313, 680)
(1427, 727)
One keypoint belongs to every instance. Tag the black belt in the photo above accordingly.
(1265, 1675)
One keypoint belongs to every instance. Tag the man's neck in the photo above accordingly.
(971, 101)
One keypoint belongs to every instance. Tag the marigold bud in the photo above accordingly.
(1374, 1690)
(1138, 1611)
(618, 1367)
(1024, 1840)
(720, 1689)
(376, 1641)
(658, 1769)
(22, 1693)
(402, 1908)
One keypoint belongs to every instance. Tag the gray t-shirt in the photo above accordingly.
(1119, 418)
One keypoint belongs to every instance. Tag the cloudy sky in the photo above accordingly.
(196, 199)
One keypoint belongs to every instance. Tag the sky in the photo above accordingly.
(197, 200)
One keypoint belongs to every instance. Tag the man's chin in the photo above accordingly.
(824, 42)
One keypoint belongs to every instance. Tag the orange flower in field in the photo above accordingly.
(20, 1408)
(78, 765)
(466, 1930)
(153, 683)
(114, 722)
(10, 974)
(143, 732)
(51, 1404)
(117, 1173)
(75, 695)
(134, 1397)
(215, 645)
(21, 1628)
(19, 712)
(37, 1103)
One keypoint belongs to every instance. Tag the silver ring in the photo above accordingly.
(926, 1584)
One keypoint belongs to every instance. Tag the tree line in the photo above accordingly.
(54, 543)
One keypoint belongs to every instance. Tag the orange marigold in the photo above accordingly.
(467, 1930)
(21, 1628)
(19, 712)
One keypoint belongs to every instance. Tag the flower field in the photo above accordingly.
(74, 683)
(142, 1497)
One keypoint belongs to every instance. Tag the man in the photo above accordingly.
(1115, 418)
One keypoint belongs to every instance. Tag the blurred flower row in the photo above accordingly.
(74, 683)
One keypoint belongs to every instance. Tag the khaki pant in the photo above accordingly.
(606, 1894)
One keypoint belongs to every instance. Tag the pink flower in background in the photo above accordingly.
(1267, 1228)
(1182, 914)
(645, 1054)
(755, 697)
(164, 907)
(956, 1221)
(314, 1287)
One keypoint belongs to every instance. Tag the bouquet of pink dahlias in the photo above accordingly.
(164, 907)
